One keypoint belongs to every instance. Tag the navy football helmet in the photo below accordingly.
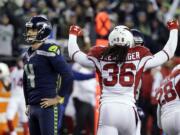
(41, 25)
(138, 37)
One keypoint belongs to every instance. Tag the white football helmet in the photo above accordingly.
(121, 36)
(4, 70)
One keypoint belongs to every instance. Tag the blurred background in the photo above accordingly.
(97, 18)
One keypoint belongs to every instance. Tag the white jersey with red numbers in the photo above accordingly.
(168, 95)
(16, 82)
(120, 81)
(118, 114)
(17, 101)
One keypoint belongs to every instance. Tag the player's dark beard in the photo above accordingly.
(117, 53)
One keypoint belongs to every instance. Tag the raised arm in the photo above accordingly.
(169, 49)
(74, 52)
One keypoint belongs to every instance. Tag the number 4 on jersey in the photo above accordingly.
(29, 70)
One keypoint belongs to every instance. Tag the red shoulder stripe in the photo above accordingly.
(96, 51)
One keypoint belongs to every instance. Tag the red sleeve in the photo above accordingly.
(96, 51)
(176, 60)
(144, 51)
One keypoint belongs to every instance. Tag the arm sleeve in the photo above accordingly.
(157, 79)
(76, 54)
(167, 52)
(25, 88)
(172, 10)
(80, 76)
(60, 66)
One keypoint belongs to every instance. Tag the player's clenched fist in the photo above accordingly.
(75, 30)
(173, 24)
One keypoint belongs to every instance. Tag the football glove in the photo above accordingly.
(173, 24)
(75, 30)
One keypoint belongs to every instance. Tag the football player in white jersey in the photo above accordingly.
(168, 96)
(120, 66)
(17, 102)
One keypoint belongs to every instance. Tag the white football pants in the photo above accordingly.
(171, 123)
(118, 119)
(17, 105)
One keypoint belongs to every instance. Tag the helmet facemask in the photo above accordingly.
(31, 35)
(138, 37)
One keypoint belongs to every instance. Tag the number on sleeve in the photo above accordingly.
(29, 70)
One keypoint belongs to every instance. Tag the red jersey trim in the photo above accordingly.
(138, 77)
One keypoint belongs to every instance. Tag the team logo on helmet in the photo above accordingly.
(121, 36)
(37, 29)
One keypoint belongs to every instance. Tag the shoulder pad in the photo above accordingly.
(54, 49)
(49, 50)
(142, 50)
(96, 51)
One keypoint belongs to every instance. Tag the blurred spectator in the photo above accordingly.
(42, 7)
(151, 11)
(68, 125)
(143, 24)
(167, 10)
(149, 125)
(4, 97)
(101, 5)
(129, 21)
(158, 32)
(27, 6)
(84, 101)
(6, 36)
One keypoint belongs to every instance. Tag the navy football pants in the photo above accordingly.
(45, 121)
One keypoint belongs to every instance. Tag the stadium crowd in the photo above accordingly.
(148, 16)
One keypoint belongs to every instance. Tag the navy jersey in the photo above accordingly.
(43, 70)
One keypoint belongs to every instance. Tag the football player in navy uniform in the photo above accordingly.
(138, 37)
(47, 79)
